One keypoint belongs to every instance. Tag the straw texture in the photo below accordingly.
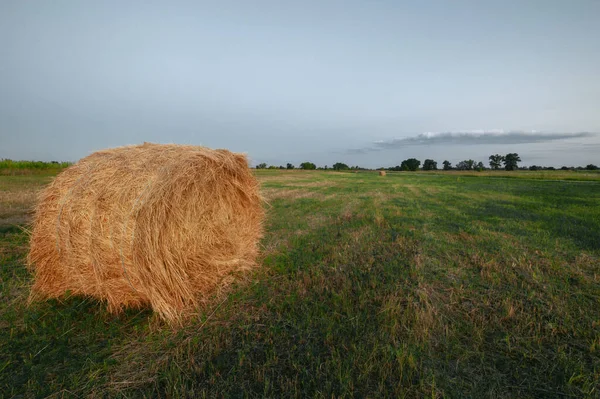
(157, 225)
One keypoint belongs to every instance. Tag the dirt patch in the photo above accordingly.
(347, 212)
(14, 220)
(16, 206)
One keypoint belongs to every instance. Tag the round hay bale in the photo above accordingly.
(382, 173)
(158, 225)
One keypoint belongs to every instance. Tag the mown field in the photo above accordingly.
(408, 285)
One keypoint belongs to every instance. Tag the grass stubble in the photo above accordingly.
(419, 284)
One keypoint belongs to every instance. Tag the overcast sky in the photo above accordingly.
(362, 82)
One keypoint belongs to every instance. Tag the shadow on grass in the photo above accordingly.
(51, 345)
(583, 232)
(55, 344)
(11, 229)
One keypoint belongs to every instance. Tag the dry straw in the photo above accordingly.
(381, 173)
(157, 225)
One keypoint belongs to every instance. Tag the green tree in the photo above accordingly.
(591, 167)
(447, 165)
(511, 161)
(411, 164)
(261, 166)
(308, 166)
(480, 166)
(467, 164)
(496, 161)
(290, 166)
(429, 164)
(340, 166)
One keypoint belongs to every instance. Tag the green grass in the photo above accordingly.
(409, 285)
(579, 175)
(10, 167)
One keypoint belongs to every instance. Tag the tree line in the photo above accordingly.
(311, 166)
(508, 162)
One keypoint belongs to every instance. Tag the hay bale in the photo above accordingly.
(381, 173)
(157, 225)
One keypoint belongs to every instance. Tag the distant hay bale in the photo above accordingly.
(157, 225)
(382, 173)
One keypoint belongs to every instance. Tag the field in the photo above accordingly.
(408, 285)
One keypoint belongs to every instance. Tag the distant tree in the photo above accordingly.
(465, 165)
(511, 161)
(535, 167)
(281, 167)
(564, 168)
(550, 168)
(272, 167)
(447, 165)
(480, 166)
(340, 166)
(591, 167)
(396, 168)
(289, 166)
(261, 166)
(411, 164)
(496, 161)
(429, 164)
(308, 166)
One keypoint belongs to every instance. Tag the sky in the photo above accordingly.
(367, 83)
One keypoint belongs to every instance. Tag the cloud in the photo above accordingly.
(471, 137)
(360, 151)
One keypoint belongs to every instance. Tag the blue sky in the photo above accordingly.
(363, 82)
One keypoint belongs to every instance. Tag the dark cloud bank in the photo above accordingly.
(475, 137)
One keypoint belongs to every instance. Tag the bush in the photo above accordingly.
(37, 165)
(340, 166)
(429, 164)
(308, 166)
(411, 164)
